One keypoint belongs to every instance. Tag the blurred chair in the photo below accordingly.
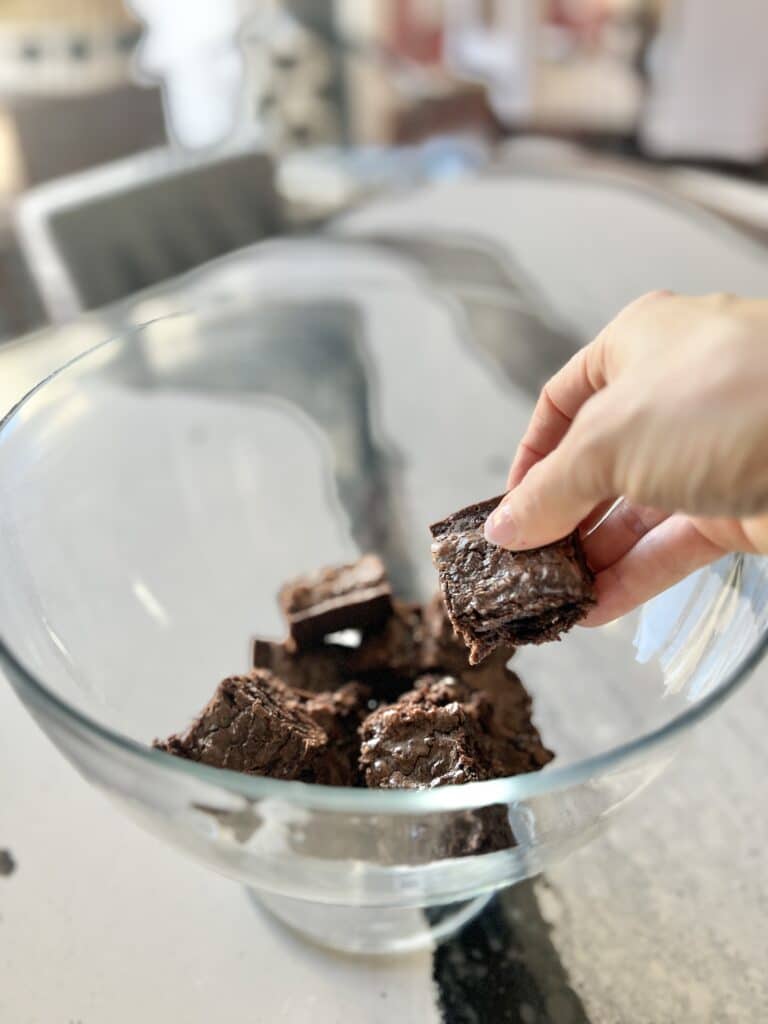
(102, 234)
(63, 134)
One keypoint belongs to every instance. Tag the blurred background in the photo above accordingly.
(135, 144)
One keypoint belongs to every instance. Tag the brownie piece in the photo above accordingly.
(354, 596)
(443, 650)
(512, 740)
(429, 737)
(387, 659)
(482, 830)
(320, 669)
(395, 646)
(435, 735)
(339, 714)
(496, 597)
(514, 743)
(251, 725)
(432, 731)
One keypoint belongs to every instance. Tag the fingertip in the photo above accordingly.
(500, 527)
(513, 526)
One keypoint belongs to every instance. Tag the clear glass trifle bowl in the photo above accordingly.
(155, 493)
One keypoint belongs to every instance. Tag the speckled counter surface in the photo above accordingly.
(662, 919)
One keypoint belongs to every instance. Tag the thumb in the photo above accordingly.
(556, 494)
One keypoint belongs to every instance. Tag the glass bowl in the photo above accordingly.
(317, 400)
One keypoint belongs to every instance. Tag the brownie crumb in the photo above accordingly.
(496, 597)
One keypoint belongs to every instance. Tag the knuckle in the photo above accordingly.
(649, 299)
(656, 294)
(637, 519)
(591, 468)
(721, 300)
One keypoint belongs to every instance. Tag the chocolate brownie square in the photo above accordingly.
(251, 725)
(496, 597)
(448, 731)
(339, 713)
(512, 740)
(427, 738)
(319, 669)
(354, 596)
(435, 735)
(394, 647)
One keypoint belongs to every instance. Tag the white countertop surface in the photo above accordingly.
(660, 920)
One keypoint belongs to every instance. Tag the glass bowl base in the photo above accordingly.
(372, 930)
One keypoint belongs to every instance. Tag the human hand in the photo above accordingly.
(667, 407)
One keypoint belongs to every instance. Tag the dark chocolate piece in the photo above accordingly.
(510, 742)
(513, 741)
(497, 597)
(250, 725)
(355, 596)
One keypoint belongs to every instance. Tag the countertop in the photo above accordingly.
(662, 919)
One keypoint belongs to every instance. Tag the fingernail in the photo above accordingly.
(500, 527)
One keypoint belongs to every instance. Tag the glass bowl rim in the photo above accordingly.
(342, 799)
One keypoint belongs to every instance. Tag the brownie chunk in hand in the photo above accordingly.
(355, 596)
(444, 651)
(496, 597)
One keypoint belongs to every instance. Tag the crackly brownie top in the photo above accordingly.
(482, 581)
(497, 598)
(334, 583)
(339, 713)
(250, 726)
(443, 650)
(428, 738)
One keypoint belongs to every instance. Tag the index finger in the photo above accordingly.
(560, 399)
